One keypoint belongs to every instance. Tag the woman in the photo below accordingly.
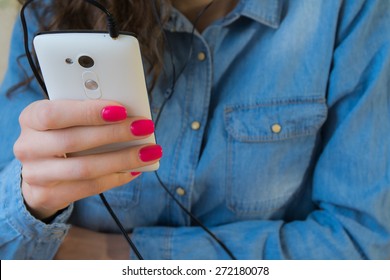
(275, 137)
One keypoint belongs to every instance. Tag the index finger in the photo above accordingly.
(57, 114)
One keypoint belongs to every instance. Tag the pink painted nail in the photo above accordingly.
(150, 153)
(142, 127)
(135, 173)
(114, 113)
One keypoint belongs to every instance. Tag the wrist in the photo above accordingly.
(51, 218)
(40, 213)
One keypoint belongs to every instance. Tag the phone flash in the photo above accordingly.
(91, 85)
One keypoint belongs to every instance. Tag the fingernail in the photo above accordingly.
(150, 153)
(142, 127)
(114, 113)
(135, 173)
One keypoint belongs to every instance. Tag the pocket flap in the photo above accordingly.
(275, 120)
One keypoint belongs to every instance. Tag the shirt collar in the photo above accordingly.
(267, 12)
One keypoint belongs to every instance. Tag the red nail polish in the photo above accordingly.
(150, 153)
(135, 173)
(142, 127)
(114, 113)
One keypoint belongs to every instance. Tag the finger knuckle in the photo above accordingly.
(90, 113)
(38, 196)
(128, 159)
(97, 187)
(82, 170)
(68, 142)
(45, 115)
(108, 182)
(120, 132)
(122, 178)
(30, 175)
(20, 150)
(25, 115)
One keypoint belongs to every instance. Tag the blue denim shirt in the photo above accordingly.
(276, 138)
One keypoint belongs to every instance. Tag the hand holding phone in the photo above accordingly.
(50, 129)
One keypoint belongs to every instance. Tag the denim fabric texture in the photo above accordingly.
(290, 159)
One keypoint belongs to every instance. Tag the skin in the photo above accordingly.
(217, 10)
(51, 182)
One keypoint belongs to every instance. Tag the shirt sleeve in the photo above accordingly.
(21, 236)
(351, 178)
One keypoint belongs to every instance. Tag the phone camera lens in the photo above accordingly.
(86, 61)
(69, 61)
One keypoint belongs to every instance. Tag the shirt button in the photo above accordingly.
(195, 125)
(276, 128)
(201, 56)
(180, 191)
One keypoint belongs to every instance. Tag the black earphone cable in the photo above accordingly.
(111, 23)
(194, 25)
(170, 49)
(114, 33)
(171, 91)
(27, 49)
(195, 219)
(120, 226)
(183, 208)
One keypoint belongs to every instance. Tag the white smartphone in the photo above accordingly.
(92, 65)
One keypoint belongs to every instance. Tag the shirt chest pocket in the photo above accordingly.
(270, 147)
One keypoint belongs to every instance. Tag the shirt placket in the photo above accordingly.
(196, 86)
